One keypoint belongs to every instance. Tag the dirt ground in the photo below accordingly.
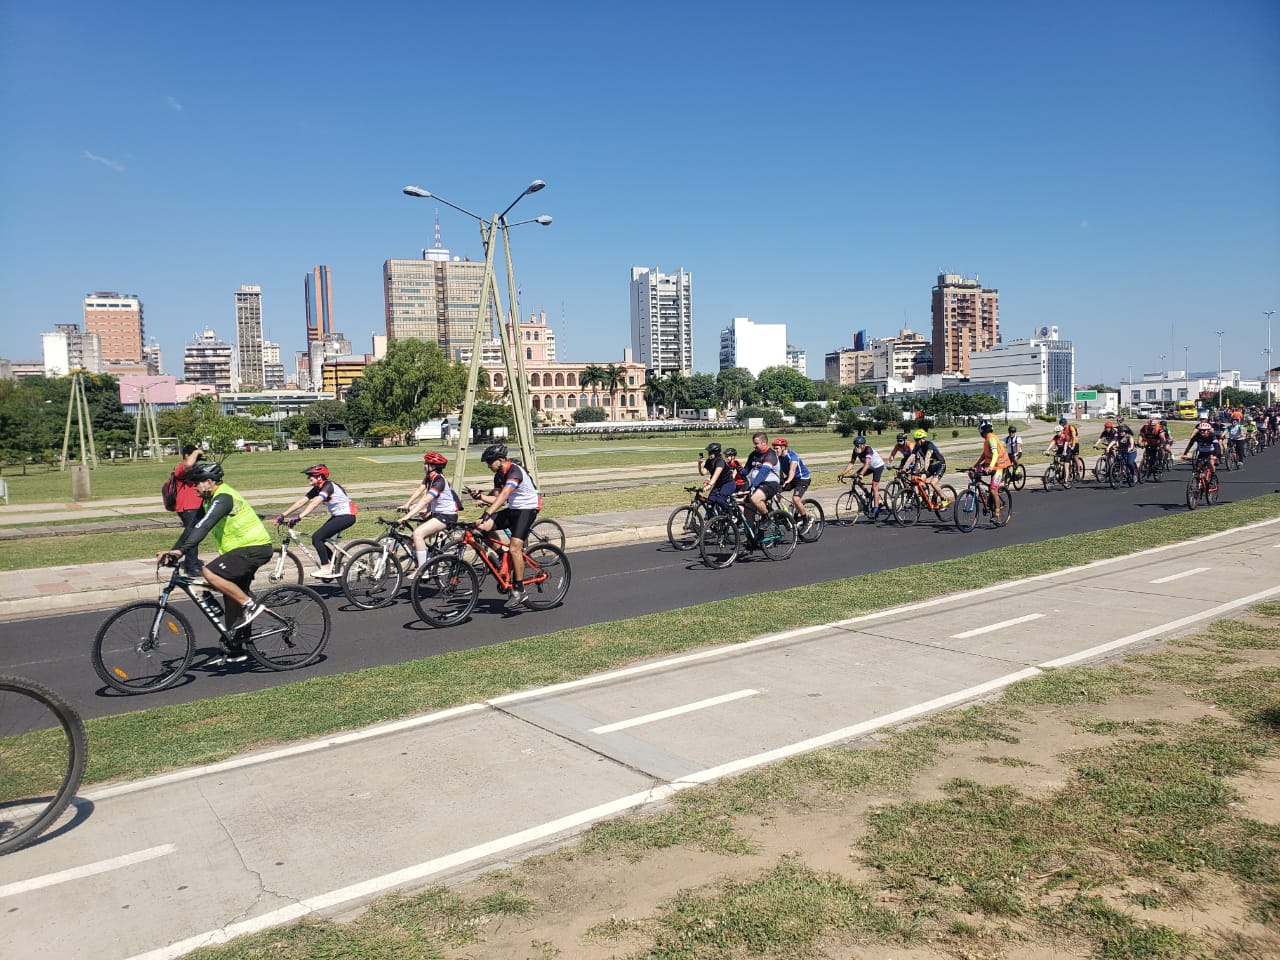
(595, 907)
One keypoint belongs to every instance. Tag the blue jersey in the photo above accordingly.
(784, 466)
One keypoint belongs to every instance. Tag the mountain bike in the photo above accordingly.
(919, 496)
(1015, 476)
(1102, 466)
(810, 528)
(446, 588)
(725, 535)
(1151, 466)
(685, 523)
(1203, 486)
(1056, 474)
(1122, 472)
(147, 646)
(373, 575)
(285, 565)
(978, 498)
(42, 756)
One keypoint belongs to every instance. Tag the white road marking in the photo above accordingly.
(88, 870)
(991, 628)
(674, 711)
(1178, 576)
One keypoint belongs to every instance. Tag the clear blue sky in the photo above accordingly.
(1112, 168)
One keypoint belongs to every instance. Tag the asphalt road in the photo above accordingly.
(610, 584)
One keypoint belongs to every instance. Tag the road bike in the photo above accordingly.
(978, 499)
(725, 535)
(43, 750)
(685, 522)
(285, 565)
(1015, 476)
(446, 588)
(1056, 474)
(147, 646)
(1203, 486)
(855, 505)
(809, 529)
(918, 497)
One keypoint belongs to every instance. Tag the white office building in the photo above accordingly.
(753, 346)
(65, 349)
(1044, 361)
(797, 360)
(1169, 386)
(662, 320)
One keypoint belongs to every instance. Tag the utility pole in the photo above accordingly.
(1220, 333)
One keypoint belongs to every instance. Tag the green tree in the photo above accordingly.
(414, 382)
(592, 375)
(983, 404)
(887, 413)
(735, 386)
(703, 391)
(613, 378)
(486, 416)
(778, 384)
(812, 415)
(590, 415)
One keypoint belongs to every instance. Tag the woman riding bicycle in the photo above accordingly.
(721, 482)
(342, 514)
(435, 498)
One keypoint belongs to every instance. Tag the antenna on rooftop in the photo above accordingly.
(438, 243)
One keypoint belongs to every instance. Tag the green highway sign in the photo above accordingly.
(1083, 395)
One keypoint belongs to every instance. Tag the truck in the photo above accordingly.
(1186, 410)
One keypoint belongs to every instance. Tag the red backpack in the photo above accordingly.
(169, 493)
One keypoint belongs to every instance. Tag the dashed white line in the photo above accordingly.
(991, 628)
(88, 870)
(675, 711)
(1178, 576)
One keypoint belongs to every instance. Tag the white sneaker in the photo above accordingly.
(324, 573)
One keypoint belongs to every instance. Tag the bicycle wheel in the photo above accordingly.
(546, 530)
(143, 647)
(293, 629)
(445, 591)
(1049, 477)
(683, 527)
(951, 497)
(848, 506)
(908, 512)
(1193, 493)
(42, 755)
(967, 511)
(1006, 509)
(370, 579)
(1115, 476)
(720, 541)
(1211, 491)
(810, 529)
(776, 534)
(283, 567)
(546, 576)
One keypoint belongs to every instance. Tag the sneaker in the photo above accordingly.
(231, 655)
(324, 573)
(248, 614)
(517, 599)
(945, 504)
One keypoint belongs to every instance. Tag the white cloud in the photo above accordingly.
(115, 165)
(173, 103)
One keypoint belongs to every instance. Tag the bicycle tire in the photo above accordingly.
(1193, 493)
(967, 511)
(444, 591)
(127, 656)
(777, 535)
(1211, 493)
(43, 750)
(1114, 475)
(292, 631)
(546, 530)
(908, 511)
(810, 530)
(720, 541)
(683, 527)
(277, 572)
(369, 580)
(551, 591)
(949, 494)
(1006, 509)
(1047, 478)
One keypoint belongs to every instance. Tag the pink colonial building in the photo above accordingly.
(555, 387)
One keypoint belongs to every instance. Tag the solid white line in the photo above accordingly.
(88, 870)
(674, 711)
(996, 626)
(1178, 576)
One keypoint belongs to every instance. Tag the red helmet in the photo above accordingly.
(780, 442)
(1108, 424)
(434, 459)
(317, 470)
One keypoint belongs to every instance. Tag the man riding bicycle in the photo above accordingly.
(722, 480)
(926, 458)
(1071, 437)
(244, 545)
(1013, 444)
(795, 477)
(763, 477)
(513, 505)
(1152, 438)
(1207, 448)
(864, 460)
(991, 462)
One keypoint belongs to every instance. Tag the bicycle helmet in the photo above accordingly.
(985, 429)
(919, 435)
(1108, 425)
(713, 449)
(730, 452)
(1062, 421)
(205, 471)
(495, 451)
(1012, 428)
(317, 470)
(434, 459)
(780, 442)
(859, 441)
(901, 438)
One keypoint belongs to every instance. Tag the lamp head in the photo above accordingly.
(535, 186)
(544, 220)
(417, 192)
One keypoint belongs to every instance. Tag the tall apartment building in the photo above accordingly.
(117, 320)
(966, 319)
(208, 360)
(662, 320)
(273, 377)
(797, 360)
(846, 366)
(434, 299)
(898, 356)
(753, 346)
(154, 358)
(249, 336)
(317, 291)
(65, 349)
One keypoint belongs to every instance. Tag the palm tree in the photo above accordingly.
(612, 378)
(655, 392)
(592, 375)
(677, 389)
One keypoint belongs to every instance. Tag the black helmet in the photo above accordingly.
(985, 429)
(713, 449)
(205, 471)
(731, 452)
(901, 438)
(1012, 428)
(495, 451)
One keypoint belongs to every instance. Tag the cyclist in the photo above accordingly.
(992, 461)
(1057, 446)
(188, 503)
(735, 467)
(902, 444)
(1273, 426)
(1072, 451)
(763, 477)
(1125, 445)
(926, 458)
(1152, 437)
(1013, 443)
(243, 543)
(436, 498)
(1235, 437)
(795, 478)
(513, 504)
(864, 460)
(722, 480)
(1208, 448)
(342, 514)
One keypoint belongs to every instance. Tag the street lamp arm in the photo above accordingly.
(531, 188)
(543, 220)
(428, 195)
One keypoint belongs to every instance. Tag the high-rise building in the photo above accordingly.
(434, 299)
(797, 360)
(753, 346)
(154, 358)
(317, 289)
(273, 377)
(846, 367)
(662, 320)
(898, 356)
(67, 349)
(209, 360)
(249, 336)
(117, 320)
(966, 319)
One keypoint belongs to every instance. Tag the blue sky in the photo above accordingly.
(1113, 168)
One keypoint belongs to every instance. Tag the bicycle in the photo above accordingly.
(977, 498)
(446, 589)
(1015, 475)
(147, 646)
(725, 534)
(919, 496)
(285, 566)
(1151, 466)
(1122, 472)
(43, 750)
(855, 503)
(810, 528)
(1102, 466)
(1055, 474)
(1203, 485)
(373, 575)
(685, 523)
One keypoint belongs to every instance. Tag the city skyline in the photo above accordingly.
(1107, 177)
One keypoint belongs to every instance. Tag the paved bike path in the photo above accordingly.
(201, 855)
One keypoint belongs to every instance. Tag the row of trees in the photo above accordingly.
(33, 417)
(736, 387)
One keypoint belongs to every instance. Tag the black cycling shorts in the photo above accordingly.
(239, 565)
(519, 522)
(769, 488)
(799, 488)
(936, 469)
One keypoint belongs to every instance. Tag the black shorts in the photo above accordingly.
(239, 565)
(450, 520)
(519, 522)
(936, 469)
(769, 488)
(799, 488)
(876, 473)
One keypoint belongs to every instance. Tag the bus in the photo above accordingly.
(1186, 410)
